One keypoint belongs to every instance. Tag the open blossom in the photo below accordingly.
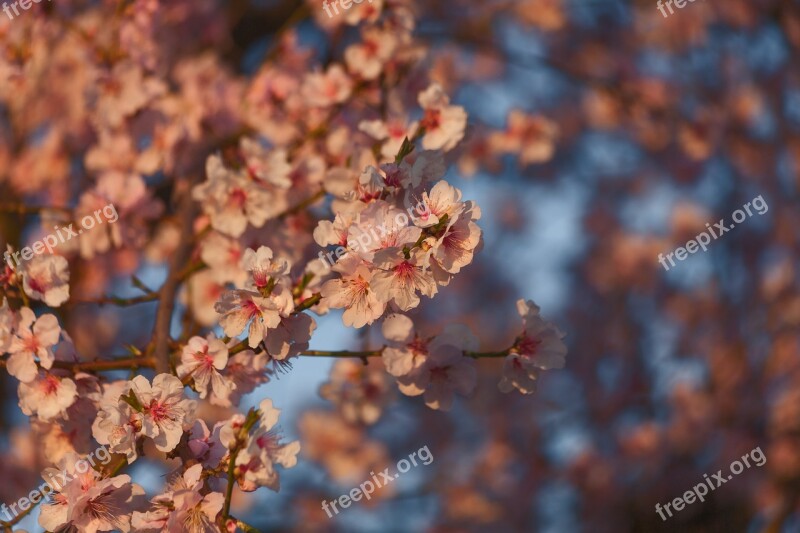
(439, 368)
(444, 123)
(232, 200)
(34, 338)
(406, 351)
(454, 246)
(269, 167)
(240, 307)
(392, 132)
(327, 232)
(126, 204)
(445, 372)
(345, 450)
(46, 278)
(291, 337)
(324, 90)
(378, 227)
(223, 255)
(203, 360)
(538, 347)
(400, 278)
(353, 292)
(86, 502)
(182, 508)
(263, 268)
(166, 412)
(367, 58)
(264, 451)
(117, 425)
(248, 370)
(47, 396)
(443, 199)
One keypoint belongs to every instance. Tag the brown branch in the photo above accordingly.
(166, 296)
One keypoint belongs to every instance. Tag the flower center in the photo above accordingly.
(158, 411)
(431, 120)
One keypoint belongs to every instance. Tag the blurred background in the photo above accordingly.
(601, 134)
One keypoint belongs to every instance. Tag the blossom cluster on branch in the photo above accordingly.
(236, 183)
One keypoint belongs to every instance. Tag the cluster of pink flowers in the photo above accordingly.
(355, 137)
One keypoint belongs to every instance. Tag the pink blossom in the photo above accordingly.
(34, 338)
(203, 360)
(353, 292)
(48, 396)
(46, 278)
(444, 123)
(166, 412)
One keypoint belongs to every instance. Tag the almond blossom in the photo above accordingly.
(240, 307)
(87, 502)
(34, 338)
(400, 278)
(444, 124)
(406, 351)
(203, 359)
(366, 59)
(353, 292)
(324, 90)
(47, 396)
(269, 167)
(539, 347)
(265, 450)
(46, 278)
(392, 132)
(117, 424)
(182, 508)
(165, 413)
(232, 200)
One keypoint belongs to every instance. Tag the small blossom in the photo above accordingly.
(538, 347)
(166, 413)
(117, 425)
(444, 123)
(239, 307)
(88, 503)
(400, 278)
(203, 360)
(48, 396)
(46, 278)
(325, 90)
(269, 167)
(34, 338)
(265, 449)
(353, 293)
(263, 269)
(367, 58)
